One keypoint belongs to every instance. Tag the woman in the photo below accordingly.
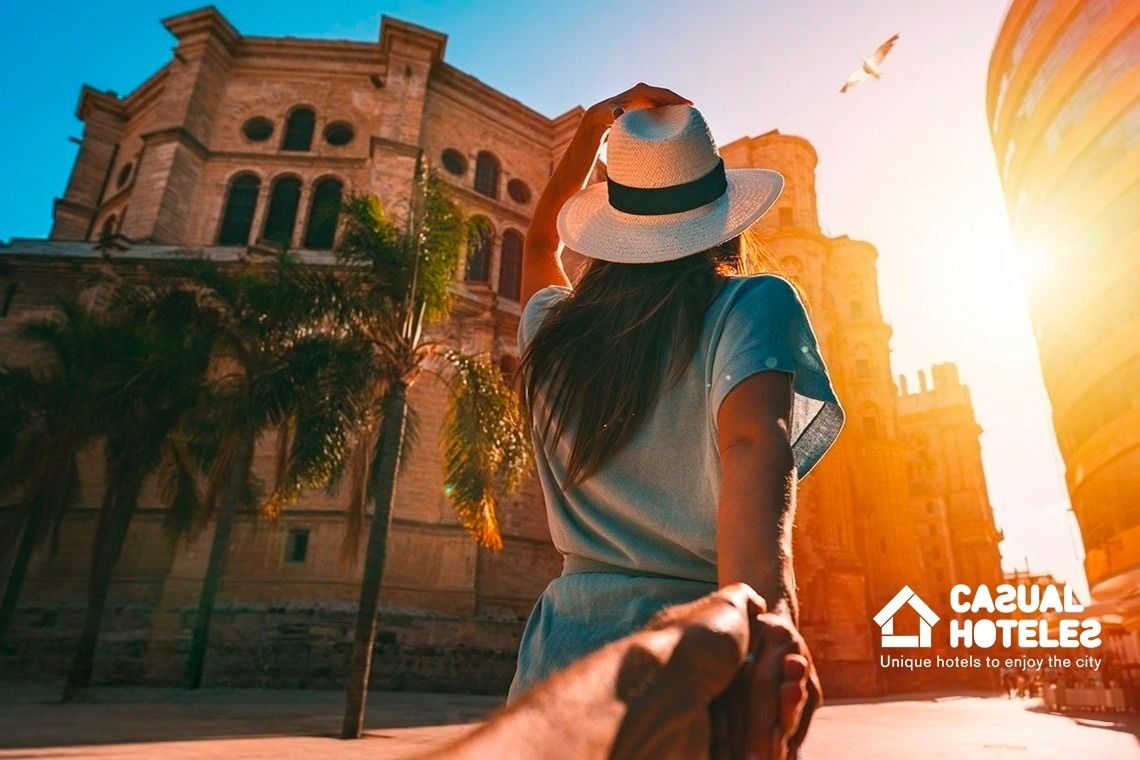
(674, 402)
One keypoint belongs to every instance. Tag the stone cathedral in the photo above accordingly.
(240, 142)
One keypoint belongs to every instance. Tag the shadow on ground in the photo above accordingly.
(32, 716)
(1129, 724)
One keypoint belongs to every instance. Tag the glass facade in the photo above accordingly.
(1064, 95)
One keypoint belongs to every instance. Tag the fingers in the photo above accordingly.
(777, 712)
(739, 597)
(665, 96)
(793, 693)
(764, 700)
(814, 700)
(715, 631)
(742, 595)
(642, 95)
(785, 687)
(712, 647)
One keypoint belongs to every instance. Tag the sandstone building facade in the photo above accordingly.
(243, 141)
(1064, 108)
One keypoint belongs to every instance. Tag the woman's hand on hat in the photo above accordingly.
(641, 95)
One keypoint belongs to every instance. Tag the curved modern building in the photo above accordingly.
(1063, 101)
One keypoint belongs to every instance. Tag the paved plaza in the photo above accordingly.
(138, 723)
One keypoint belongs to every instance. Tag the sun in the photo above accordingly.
(1033, 261)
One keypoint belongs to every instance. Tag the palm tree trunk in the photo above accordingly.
(196, 657)
(107, 556)
(391, 441)
(28, 540)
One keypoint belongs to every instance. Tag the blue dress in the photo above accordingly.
(640, 533)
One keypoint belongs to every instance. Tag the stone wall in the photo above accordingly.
(271, 647)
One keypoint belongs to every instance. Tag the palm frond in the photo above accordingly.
(372, 240)
(484, 445)
(331, 398)
(441, 238)
(179, 479)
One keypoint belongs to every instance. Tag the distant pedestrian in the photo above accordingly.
(1007, 682)
(1022, 684)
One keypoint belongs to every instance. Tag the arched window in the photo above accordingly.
(282, 213)
(510, 265)
(478, 267)
(108, 228)
(237, 214)
(487, 174)
(299, 130)
(324, 210)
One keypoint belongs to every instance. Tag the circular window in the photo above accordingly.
(454, 162)
(258, 129)
(518, 191)
(124, 175)
(339, 133)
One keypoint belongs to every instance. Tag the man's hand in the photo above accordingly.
(719, 675)
(765, 709)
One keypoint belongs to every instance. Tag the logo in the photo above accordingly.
(886, 620)
(1040, 625)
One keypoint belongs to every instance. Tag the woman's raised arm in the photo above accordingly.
(541, 265)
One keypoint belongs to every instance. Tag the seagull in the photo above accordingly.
(870, 65)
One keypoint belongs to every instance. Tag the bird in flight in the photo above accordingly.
(870, 65)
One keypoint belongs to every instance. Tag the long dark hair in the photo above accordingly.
(601, 358)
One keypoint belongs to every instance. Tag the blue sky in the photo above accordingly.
(905, 163)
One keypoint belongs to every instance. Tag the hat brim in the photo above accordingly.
(589, 225)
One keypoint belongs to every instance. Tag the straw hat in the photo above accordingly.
(667, 195)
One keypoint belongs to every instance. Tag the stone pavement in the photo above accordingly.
(152, 723)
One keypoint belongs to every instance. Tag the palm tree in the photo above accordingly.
(47, 415)
(402, 283)
(158, 342)
(287, 364)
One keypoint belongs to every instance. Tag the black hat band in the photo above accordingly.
(652, 201)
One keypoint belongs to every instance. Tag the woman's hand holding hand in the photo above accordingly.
(784, 688)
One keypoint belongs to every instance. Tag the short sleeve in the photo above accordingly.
(766, 328)
(535, 311)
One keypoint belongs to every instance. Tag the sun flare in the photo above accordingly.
(1033, 261)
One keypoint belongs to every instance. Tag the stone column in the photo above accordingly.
(103, 117)
(176, 149)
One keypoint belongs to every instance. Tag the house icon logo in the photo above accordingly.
(886, 620)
